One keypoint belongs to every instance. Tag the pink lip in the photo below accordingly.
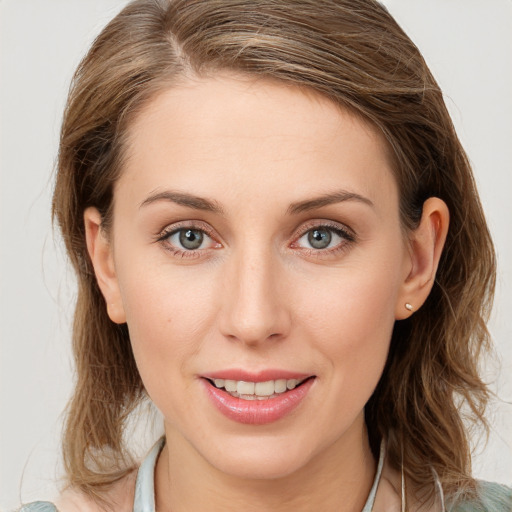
(257, 412)
(261, 376)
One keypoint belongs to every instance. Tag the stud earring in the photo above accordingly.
(408, 306)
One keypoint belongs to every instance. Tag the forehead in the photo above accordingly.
(253, 136)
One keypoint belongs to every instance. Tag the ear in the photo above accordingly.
(101, 254)
(426, 245)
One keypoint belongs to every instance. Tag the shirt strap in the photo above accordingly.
(145, 485)
(373, 491)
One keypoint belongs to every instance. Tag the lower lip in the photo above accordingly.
(257, 412)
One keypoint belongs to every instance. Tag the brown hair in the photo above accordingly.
(353, 52)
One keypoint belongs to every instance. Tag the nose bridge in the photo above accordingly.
(252, 309)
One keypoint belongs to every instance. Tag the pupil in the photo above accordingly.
(319, 238)
(191, 238)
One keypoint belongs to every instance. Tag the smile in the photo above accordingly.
(257, 401)
(257, 390)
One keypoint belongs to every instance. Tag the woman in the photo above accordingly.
(278, 241)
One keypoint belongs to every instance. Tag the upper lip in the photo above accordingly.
(258, 376)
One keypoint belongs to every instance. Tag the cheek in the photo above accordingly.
(351, 319)
(168, 314)
(355, 353)
(355, 302)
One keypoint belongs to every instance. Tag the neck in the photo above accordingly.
(338, 478)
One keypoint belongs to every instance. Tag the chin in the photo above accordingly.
(261, 464)
(263, 455)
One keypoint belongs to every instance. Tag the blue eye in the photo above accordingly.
(323, 237)
(319, 238)
(188, 239)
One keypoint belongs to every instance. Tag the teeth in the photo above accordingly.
(280, 386)
(264, 388)
(290, 384)
(230, 385)
(245, 388)
(253, 390)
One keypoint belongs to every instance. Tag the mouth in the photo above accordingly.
(257, 399)
(267, 390)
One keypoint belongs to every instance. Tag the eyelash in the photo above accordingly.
(348, 238)
(345, 234)
(163, 236)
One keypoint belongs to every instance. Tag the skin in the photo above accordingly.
(256, 294)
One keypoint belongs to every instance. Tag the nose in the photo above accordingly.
(254, 305)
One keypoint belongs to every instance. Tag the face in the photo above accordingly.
(256, 246)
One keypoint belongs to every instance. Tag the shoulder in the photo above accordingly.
(490, 497)
(119, 498)
(65, 503)
(495, 497)
(38, 506)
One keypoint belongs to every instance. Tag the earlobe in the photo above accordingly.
(426, 246)
(100, 252)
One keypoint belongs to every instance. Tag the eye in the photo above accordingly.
(319, 238)
(189, 239)
(324, 238)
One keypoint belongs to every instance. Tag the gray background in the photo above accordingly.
(468, 45)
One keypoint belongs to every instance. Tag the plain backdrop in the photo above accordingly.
(468, 45)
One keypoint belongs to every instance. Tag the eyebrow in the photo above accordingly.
(183, 199)
(201, 203)
(327, 199)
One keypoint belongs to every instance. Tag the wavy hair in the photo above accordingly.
(354, 53)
